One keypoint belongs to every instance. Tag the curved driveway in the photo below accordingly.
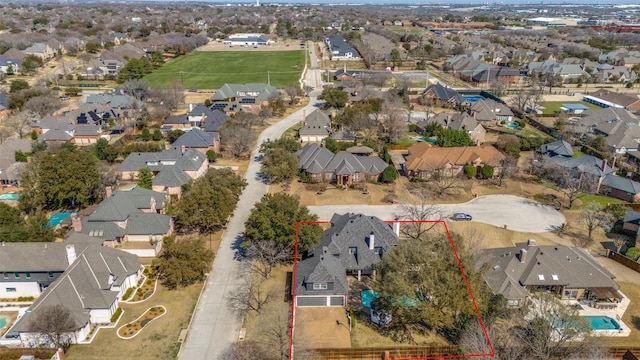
(517, 213)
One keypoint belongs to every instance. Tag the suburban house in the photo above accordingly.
(342, 168)
(461, 121)
(607, 98)
(199, 140)
(9, 66)
(601, 177)
(213, 121)
(353, 245)
(557, 148)
(8, 163)
(135, 215)
(490, 112)
(316, 127)
(517, 272)
(176, 122)
(43, 51)
(233, 98)
(171, 168)
(197, 114)
(84, 135)
(425, 160)
(631, 223)
(620, 128)
(496, 75)
(86, 278)
(440, 95)
(340, 49)
(114, 101)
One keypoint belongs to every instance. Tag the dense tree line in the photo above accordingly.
(15, 228)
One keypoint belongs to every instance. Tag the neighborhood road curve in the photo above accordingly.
(516, 213)
(215, 326)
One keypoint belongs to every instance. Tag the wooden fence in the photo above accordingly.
(426, 352)
(621, 259)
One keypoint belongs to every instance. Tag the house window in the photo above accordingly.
(570, 294)
(319, 286)
(50, 274)
(378, 250)
(16, 275)
(27, 275)
(11, 290)
(353, 250)
(512, 302)
(5, 276)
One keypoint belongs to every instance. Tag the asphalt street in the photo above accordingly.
(516, 213)
(215, 326)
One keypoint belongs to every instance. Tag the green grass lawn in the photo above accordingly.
(600, 199)
(211, 70)
(551, 107)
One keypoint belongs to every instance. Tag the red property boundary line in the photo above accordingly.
(464, 276)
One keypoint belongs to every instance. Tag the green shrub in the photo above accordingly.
(633, 253)
(389, 174)
(487, 171)
(353, 317)
(470, 171)
(116, 315)
(127, 294)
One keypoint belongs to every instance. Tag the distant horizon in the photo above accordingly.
(634, 3)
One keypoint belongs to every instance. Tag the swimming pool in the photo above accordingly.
(10, 196)
(602, 323)
(58, 217)
(367, 297)
(473, 97)
(3, 321)
(513, 125)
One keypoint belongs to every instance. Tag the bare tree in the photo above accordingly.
(236, 140)
(42, 105)
(5, 133)
(275, 330)
(269, 254)
(592, 217)
(554, 331)
(54, 322)
(393, 125)
(421, 209)
(292, 91)
(619, 242)
(251, 296)
(19, 123)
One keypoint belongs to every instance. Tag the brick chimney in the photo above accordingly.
(604, 165)
(396, 227)
(76, 223)
(183, 149)
(108, 191)
(372, 241)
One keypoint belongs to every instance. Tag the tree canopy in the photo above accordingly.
(145, 178)
(275, 217)
(53, 321)
(334, 97)
(280, 163)
(183, 262)
(67, 179)
(208, 201)
(429, 291)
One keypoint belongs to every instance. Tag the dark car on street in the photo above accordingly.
(461, 217)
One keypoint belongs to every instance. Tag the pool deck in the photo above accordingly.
(612, 313)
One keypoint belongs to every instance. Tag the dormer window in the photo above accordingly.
(378, 250)
(320, 286)
(353, 250)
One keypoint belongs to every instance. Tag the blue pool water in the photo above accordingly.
(473, 98)
(367, 297)
(3, 321)
(9, 196)
(58, 217)
(512, 125)
(602, 323)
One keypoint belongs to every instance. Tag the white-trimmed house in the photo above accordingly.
(92, 284)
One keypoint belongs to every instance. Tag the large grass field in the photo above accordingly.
(211, 70)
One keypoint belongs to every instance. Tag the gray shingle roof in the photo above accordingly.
(214, 120)
(260, 91)
(55, 135)
(585, 163)
(321, 268)
(32, 257)
(632, 217)
(444, 93)
(354, 231)
(315, 159)
(621, 183)
(559, 147)
(115, 101)
(190, 160)
(85, 284)
(195, 138)
(9, 148)
(176, 119)
(572, 267)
